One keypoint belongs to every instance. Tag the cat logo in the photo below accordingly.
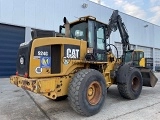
(45, 62)
(73, 53)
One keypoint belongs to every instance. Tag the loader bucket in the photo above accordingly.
(149, 78)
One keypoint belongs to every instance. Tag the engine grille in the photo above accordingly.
(55, 59)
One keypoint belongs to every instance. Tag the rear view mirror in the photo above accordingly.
(61, 29)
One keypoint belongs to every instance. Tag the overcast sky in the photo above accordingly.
(148, 10)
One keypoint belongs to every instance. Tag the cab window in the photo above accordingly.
(91, 34)
(100, 37)
(79, 31)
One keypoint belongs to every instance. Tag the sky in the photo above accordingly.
(148, 10)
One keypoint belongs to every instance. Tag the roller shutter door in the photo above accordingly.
(120, 48)
(157, 59)
(148, 52)
(10, 39)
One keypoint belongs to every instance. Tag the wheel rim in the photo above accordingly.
(135, 84)
(94, 93)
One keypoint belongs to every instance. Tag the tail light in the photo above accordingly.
(26, 75)
(17, 73)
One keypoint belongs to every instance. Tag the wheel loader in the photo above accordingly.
(78, 63)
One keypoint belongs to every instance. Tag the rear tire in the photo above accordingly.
(132, 87)
(87, 91)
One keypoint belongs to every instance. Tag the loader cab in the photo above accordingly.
(137, 57)
(94, 33)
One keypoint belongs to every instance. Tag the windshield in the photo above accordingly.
(133, 56)
(128, 56)
(79, 31)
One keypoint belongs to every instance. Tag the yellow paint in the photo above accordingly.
(65, 69)
(142, 62)
(55, 85)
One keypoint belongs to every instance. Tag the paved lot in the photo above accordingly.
(18, 104)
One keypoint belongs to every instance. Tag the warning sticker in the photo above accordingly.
(45, 62)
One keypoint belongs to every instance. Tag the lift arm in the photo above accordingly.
(115, 22)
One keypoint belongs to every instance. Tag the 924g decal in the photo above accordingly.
(42, 51)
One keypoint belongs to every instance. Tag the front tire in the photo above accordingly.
(132, 87)
(87, 91)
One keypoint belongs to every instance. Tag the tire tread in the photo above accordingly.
(123, 87)
(74, 88)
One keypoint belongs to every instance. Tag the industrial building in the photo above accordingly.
(17, 17)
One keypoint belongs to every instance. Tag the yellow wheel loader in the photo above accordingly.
(79, 64)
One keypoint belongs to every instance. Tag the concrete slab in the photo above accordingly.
(17, 104)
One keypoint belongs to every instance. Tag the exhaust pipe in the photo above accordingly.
(67, 27)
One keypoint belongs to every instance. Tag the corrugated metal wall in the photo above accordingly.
(10, 39)
(48, 15)
(148, 51)
(157, 59)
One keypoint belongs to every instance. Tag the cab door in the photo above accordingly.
(100, 41)
(97, 40)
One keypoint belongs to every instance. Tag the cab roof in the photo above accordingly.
(85, 18)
